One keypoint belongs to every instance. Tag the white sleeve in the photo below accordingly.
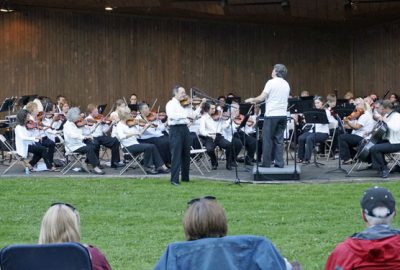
(393, 124)
(267, 87)
(202, 128)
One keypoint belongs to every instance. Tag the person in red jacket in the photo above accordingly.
(378, 246)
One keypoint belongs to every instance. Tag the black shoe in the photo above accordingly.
(175, 184)
(277, 166)
(229, 167)
(185, 181)
(117, 165)
(214, 167)
(150, 171)
(240, 159)
(162, 170)
(101, 167)
(248, 162)
(234, 164)
(385, 173)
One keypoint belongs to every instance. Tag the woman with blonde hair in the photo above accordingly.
(61, 224)
(361, 123)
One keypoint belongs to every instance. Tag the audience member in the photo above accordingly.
(61, 224)
(377, 247)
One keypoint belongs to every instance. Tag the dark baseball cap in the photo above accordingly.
(377, 197)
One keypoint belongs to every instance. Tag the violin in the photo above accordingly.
(134, 122)
(185, 101)
(102, 119)
(59, 117)
(217, 116)
(32, 125)
(81, 122)
(354, 115)
(151, 117)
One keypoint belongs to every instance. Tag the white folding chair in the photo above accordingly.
(133, 160)
(394, 160)
(17, 159)
(329, 141)
(73, 159)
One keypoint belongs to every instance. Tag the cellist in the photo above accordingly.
(391, 141)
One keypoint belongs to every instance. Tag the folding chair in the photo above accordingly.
(13, 154)
(60, 256)
(133, 159)
(329, 141)
(197, 155)
(73, 159)
(394, 160)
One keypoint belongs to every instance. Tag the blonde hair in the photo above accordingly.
(31, 106)
(124, 113)
(60, 224)
(204, 218)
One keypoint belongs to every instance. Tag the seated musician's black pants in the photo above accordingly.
(347, 143)
(108, 142)
(90, 152)
(378, 152)
(39, 151)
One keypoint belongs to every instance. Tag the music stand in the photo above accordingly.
(133, 107)
(23, 100)
(316, 116)
(299, 106)
(344, 103)
(246, 108)
(7, 104)
(101, 108)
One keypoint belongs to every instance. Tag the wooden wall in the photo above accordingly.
(101, 57)
(376, 59)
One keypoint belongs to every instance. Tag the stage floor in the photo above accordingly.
(309, 173)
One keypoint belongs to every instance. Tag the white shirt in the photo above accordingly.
(277, 90)
(393, 123)
(152, 132)
(209, 126)
(195, 125)
(22, 140)
(97, 129)
(50, 132)
(367, 123)
(123, 131)
(177, 115)
(73, 137)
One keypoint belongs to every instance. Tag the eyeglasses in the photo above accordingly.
(198, 199)
(66, 204)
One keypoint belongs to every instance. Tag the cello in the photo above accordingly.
(378, 132)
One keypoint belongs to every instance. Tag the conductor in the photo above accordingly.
(275, 94)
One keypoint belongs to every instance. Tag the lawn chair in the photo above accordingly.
(15, 158)
(60, 256)
(72, 159)
(133, 160)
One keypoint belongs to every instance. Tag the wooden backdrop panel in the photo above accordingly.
(92, 57)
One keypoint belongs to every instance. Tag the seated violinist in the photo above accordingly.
(39, 129)
(128, 132)
(391, 141)
(362, 123)
(26, 143)
(97, 126)
(77, 142)
(240, 138)
(195, 112)
(210, 133)
(308, 139)
(154, 134)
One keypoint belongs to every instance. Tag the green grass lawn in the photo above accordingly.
(133, 220)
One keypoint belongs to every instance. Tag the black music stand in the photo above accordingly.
(25, 99)
(243, 124)
(101, 108)
(345, 104)
(133, 107)
(7, 104)
(316, 116)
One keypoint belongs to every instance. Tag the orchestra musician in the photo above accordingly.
(391, 141)
(275, 94)
(154, 133)
(361, 128)
(39, 130)
(179, 136)
(308, 139)
(210, 132)
(194, 125)
(98, 127)
(74, 139)
(26, 143)
(60, 102)
(128, 135)
(240, 136)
